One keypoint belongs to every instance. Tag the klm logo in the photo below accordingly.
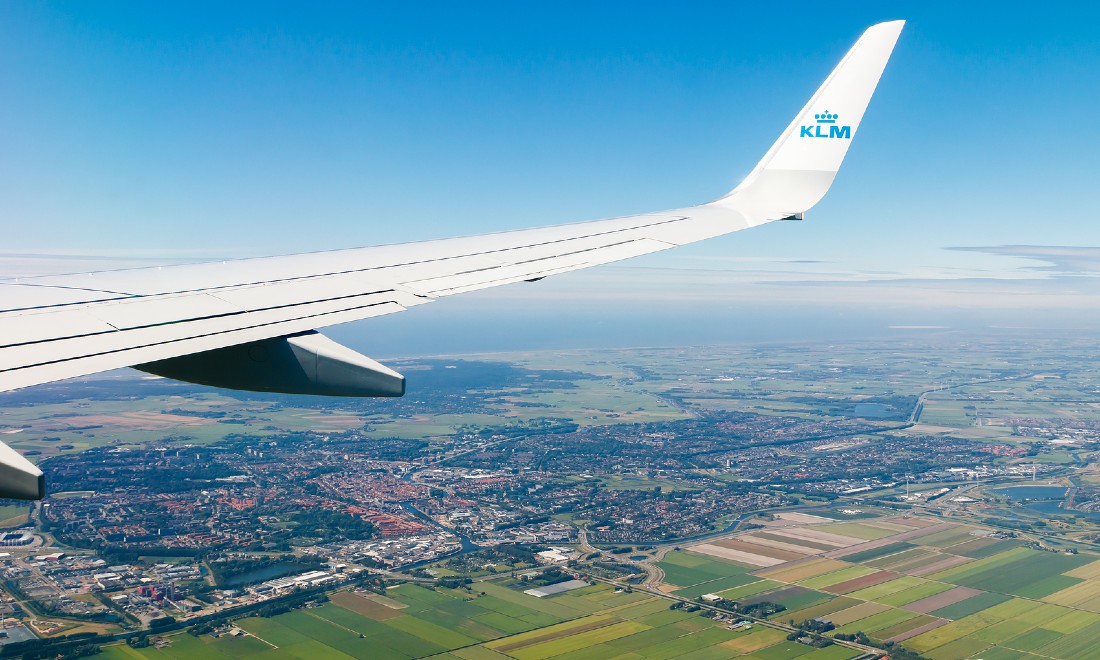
(826, 127)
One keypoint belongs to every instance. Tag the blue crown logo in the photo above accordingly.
(825, 127)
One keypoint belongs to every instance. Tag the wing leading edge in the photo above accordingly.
(260, 314)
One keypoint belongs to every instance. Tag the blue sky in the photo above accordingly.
(189, 129)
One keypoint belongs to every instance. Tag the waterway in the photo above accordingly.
(1033, 492)
(467, 544)
(1044, 500)
(1054, 508)
(264, 574)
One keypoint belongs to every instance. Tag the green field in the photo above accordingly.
(970, 606)
(883, 589)
(13, 515)
(1021, 572)
(685, 569)
(749, 589)
(836, 577)
(595, 622)
(794, 598)
(913, 594)
(866, 555)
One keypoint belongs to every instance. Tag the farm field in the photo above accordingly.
(943, 589)
(494, 620)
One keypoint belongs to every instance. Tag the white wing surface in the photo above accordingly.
(250, 324)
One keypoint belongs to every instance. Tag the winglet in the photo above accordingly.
(799, 168)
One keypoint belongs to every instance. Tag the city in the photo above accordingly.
(159, 523)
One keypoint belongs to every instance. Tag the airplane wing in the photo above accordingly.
(251, 324)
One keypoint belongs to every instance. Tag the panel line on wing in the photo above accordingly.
(550, 265)
(412, 263)
(559, 255)
(201, 336)
(54, 288)
(207, 317)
